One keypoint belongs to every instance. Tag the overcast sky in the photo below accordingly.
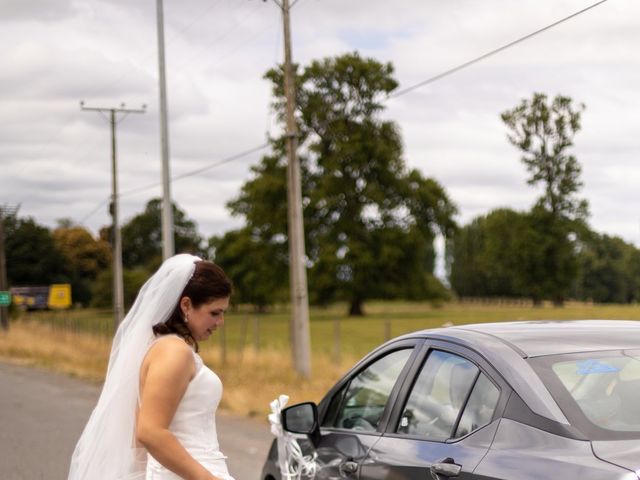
(55, 159)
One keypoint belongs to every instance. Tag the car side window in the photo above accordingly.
(438, 396)
(360, 404)
(480, 407)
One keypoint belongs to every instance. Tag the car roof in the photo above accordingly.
(540, 338)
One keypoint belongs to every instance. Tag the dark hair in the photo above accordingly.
(208, 283)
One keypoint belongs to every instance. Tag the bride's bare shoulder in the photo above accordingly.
(168, 365)
(169, 349)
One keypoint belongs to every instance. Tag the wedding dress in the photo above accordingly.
(194, 425)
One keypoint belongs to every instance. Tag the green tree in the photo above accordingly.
(494, 256)
(609, 270)
(552, 263)
(142, 237)
(543, 131)
(507, 253)
(31, 253)
(102, 287)
(84, 258)
(465, 272)
(369, 221)
(258, 268)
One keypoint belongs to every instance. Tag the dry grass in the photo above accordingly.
(80, 355)
(258, 365)
(250, 380)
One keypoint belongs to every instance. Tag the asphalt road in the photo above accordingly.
(42, 415)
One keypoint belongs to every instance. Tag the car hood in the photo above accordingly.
(625, 453)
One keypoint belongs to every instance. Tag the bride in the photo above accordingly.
(155, 418)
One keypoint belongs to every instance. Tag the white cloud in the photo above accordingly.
(56, 159)
(35, 10)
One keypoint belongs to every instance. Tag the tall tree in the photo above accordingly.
(142, 237)
(543, 131)
(369, 221)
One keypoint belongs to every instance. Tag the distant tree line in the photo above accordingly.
(370, 220)
(510, 254)
(69, 253)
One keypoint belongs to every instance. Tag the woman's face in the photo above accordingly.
(206, 318)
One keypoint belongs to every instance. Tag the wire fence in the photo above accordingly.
(332, 335)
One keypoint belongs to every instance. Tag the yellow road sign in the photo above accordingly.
(59, 295)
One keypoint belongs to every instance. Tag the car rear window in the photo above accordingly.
(599, 393)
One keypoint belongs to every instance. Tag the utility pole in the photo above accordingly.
(4, 309)
(300, 337)
(4, 314)
(168, 248)
(118, 288)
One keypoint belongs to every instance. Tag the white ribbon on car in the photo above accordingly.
(292, 463)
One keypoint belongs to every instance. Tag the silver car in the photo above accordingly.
(509, 401)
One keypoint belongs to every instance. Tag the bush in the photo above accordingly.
(102, 289)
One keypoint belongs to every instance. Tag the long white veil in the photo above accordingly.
(107, 447)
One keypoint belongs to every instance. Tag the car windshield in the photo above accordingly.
(605, 386)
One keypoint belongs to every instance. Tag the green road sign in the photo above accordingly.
(5, 299)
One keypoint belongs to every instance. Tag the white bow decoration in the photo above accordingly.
(293, 464)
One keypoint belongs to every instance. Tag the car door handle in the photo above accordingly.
(445, 468)
(349, 466)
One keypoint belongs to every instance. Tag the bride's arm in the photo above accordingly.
(167, 371)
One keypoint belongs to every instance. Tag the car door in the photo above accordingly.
(444, 419)
(355, 413)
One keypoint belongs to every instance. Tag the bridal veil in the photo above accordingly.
(107, 447)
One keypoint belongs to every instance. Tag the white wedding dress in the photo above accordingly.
(194, 425)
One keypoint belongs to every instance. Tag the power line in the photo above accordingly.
(95, 210)
(190, 173)
(206, 49)
(404, 91)
(250, 40)
(195, 20)
(200, 170)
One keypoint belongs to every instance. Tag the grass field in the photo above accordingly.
(252, 355)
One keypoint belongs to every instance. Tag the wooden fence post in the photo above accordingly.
(336, 341)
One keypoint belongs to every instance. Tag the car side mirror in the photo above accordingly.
(302, 418)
